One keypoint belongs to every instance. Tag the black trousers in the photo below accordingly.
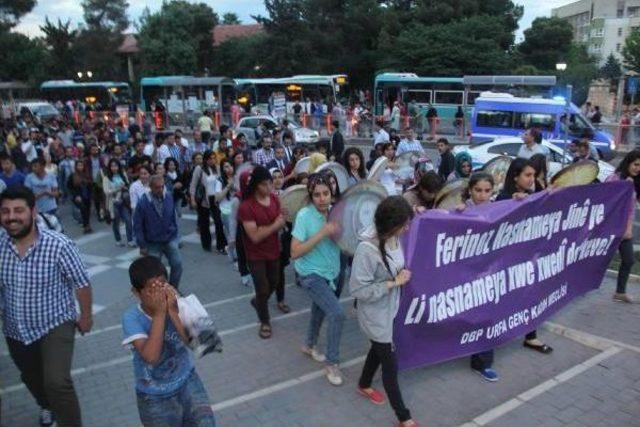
(243, 267)
(45, 369)
(482, 361)
(204, 215)
(383, 354)
(626, 262)
(265, 276)
(85, 211)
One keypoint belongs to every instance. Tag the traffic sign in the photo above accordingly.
(632, 85)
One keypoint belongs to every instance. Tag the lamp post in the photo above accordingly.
(561, 67)
(88, 74)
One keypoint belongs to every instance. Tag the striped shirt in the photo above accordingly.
(37, 291)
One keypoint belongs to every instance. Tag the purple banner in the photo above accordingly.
(492, 273)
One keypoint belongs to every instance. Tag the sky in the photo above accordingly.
(71, 9)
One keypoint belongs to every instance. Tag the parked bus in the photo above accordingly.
(446, 94)
(184, 98)
(258, 94)
(498, 114)
(103, 96)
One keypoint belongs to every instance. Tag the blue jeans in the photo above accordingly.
(189, 406)
(325, 303)
(172, 252)
(121, 213)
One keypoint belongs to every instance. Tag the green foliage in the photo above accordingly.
(177, 39)
(546, 43)
(236, 57)
(12, 10)
(59, 40)
(106, 15)
(471, 46)
(612, 69)
(230, 18)
(581, 70)
(21, 63)
(631, 51)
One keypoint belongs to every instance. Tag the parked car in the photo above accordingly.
(485, 150)
(40, 109)
(248, 126)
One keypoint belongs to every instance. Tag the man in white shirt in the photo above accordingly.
(205, 124)
(381, 135)
(168, 149)
(409, 143)
(28, 148)
(531, 146)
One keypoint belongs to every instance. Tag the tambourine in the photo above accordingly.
(302, 165)
(355, 212)
(498, 167)
(378, 168)
(580, 173)
(293, 199)
(340, 172)
(451, 194)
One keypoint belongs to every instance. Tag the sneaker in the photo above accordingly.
(488, 374)
(622, 298)
(46, 418)
(246, 280)
(132, 244)
(334, 376)
(120, 244)
(373, 395)
(313, 353)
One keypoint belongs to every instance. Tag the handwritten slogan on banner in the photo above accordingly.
(494, 272)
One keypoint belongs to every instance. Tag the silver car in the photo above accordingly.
(249, 125)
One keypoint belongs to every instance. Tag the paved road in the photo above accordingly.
(586, 381)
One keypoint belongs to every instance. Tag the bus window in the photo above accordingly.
(449, 97)
(495, 119)
(542, 121)
(420, 96)
(471, 97)
(580, 127)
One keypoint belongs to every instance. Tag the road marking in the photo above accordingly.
(129, 255)
(97, 269)
(192, 217)
(280, 386)
(91, 237)
(119, 360)
(94, 259)
(589, 340)
(511, 404)
(208, 305)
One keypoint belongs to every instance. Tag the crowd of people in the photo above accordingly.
(127, 176)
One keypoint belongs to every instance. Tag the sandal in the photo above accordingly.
(265, 331)
(283, 307)
(544, 349)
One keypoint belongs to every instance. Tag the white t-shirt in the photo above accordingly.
(205, 124)
(381, 137)
(210, 183)
(29, 150)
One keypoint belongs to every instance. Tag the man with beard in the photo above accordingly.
(40, 271)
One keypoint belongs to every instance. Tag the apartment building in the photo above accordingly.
(603, 25)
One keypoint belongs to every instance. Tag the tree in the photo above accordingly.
(581, 69)
(59, 40)
(631, 51)
(612, 69)
(236, 57)
(546, 43)
(470, 46)
(26, 58)
(230, 18)
(177, 39)
(100, 37)
(108, 15)
(12, 10)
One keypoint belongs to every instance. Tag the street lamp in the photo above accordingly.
(79, 73)
(89, 74)
(562, 66)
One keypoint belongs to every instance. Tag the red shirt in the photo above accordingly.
(252, 211)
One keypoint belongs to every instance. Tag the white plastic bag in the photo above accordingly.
(201, 327)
